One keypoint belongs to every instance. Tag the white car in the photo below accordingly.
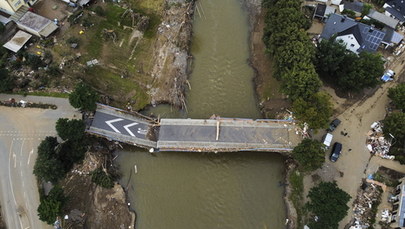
(388, 75)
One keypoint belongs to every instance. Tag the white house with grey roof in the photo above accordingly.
(357, 36)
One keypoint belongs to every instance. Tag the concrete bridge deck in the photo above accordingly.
(212, 135)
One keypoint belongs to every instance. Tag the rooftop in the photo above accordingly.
(396, 8)
(355, 6)
(368, 37)
(388, 21)
(18, 41)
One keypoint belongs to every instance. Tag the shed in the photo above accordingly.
(18, 41)
(36, 24)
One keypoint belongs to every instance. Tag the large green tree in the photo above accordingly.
(83, 97)
(300, 81)
(70, 129)
(51, 206)
(310, 154)
(315, 111)
(394, 124)
(47, 166)
(329, 203)
(364, 72)
(397, 95)
(329, 58)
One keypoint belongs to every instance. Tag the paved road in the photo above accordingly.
(120, 124)
(21, 131)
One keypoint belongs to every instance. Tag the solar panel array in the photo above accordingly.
(373, 38)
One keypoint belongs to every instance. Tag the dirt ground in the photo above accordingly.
(268, 89)
(91, 206)
(355, 162)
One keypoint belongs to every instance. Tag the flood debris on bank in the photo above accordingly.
(377, 144)
(92, 206)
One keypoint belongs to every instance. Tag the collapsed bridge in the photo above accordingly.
(194, 135)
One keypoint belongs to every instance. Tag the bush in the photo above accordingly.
(72, 40)
(6, 80)
(99, 11)
(101, 178)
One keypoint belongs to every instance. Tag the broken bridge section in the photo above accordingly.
(119, 125)
(194, 135)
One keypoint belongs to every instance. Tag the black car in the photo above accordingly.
(332, 126)
(336, 150)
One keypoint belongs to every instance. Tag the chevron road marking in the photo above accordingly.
(126, 127)
(109, 123)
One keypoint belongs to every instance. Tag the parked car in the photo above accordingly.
(332, 126)
(336, 150)
(327, 140)
(388, 75)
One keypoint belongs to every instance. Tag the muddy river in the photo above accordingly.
(177, 190)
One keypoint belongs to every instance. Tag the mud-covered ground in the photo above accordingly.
(91, 206)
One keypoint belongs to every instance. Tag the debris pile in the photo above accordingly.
(376, 142)
(368, 195)
(13, 103)
(386, 216)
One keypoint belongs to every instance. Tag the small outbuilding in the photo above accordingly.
(18, 41)
(36, 24)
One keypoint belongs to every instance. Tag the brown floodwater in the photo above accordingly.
(178, 190)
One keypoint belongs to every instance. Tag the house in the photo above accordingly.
(384, 19)
(323, 11)
(356, 7)
(391, 37)
(395, 9)
(36, 24)
(398, 206)
(357, 36)
(12, 6)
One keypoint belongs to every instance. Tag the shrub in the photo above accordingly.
(101, 178)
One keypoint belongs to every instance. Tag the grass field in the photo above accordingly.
(128, 55)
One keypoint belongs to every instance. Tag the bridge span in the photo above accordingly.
(194, 135)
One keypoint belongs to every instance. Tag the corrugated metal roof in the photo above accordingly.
(18, 41)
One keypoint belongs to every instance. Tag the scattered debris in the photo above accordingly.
(377, 144)
(368, 195)
(91, 63)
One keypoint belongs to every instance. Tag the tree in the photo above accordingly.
(84, 98)
(329, 57)
(101, 178)
(315, 111)
(310, 154)
(397, 95)
(70, 129)
(364, 72)
(329, 203)
(301, 81)
(6, 80)
(51, 206)
(394, 125)
(47, 166)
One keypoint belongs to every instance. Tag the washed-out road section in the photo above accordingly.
(21, 131)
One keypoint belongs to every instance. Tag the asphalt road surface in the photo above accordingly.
(120, 124)
(21, 131)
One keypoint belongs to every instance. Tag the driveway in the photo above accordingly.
(21, 131)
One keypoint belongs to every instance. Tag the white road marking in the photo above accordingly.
(15, 160)
(9, 173)
(109, 123)
(29, 156)
(126, 127)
